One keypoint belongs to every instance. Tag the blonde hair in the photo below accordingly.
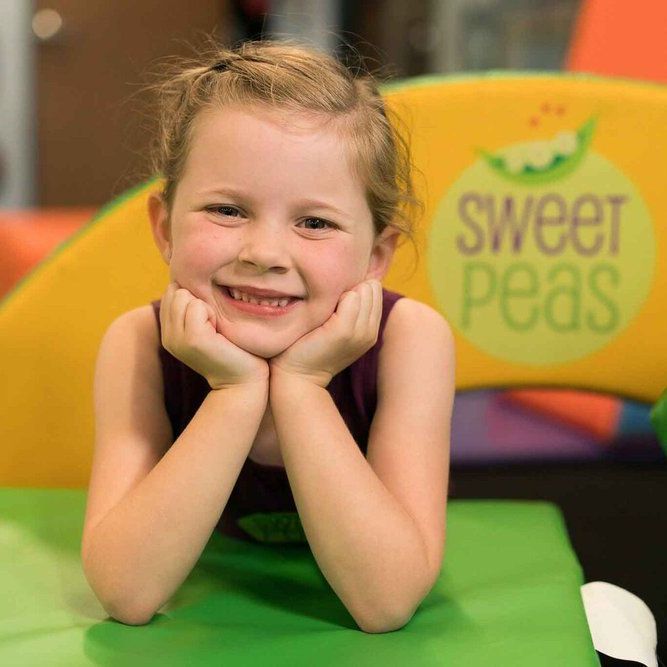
(293, 76)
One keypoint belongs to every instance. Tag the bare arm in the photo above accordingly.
(146, 546)
(366, 545)
(376, 524)
(137, 553)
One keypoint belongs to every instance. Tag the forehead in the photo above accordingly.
(258, 141)
(263, 116)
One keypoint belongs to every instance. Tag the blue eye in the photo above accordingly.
(319, 220)
(226, 209)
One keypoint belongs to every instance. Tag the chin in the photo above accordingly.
(263, 349)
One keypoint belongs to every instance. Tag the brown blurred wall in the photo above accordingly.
(90, 140)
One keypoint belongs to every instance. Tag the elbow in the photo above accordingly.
(391, 617)
(127, 614)
(385, 620)
(129, 617)
(121, 611)
(375, 629)
(380, 624)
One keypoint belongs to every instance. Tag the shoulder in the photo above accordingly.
(410, 318)
(133, 337)
(416, 337)
(128, 369)
(139, 322)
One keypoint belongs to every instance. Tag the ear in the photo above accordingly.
(159, 218)
(382, 253)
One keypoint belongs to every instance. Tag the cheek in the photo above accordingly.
(196, 255)
(338, 270)
(201, 247)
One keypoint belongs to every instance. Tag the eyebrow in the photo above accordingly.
(301, 202)
(321, 204)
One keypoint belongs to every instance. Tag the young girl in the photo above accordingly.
(276, 392)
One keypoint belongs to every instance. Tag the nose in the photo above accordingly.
(264, 247)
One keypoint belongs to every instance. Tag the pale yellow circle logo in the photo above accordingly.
(540, 259)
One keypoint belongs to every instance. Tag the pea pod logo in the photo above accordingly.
(535, 162)
(542, 252)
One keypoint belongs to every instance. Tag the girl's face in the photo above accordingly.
(269, 200)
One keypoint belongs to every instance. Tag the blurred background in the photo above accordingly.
(73, 136)
(75, 121)
(70, 69)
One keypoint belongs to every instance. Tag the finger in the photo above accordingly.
(376, 312)
(348, 314)
(368, 322)
(195, 317)
(165, 309)
(371, 295)
(211, 315)
(377, 296)
(181, 299)
(365, 306)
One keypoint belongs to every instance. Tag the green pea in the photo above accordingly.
(557, 167)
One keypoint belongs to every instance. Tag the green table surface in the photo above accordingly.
(508, 594)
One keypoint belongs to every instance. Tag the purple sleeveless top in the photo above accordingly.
(261, 506)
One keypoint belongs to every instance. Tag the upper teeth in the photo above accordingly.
(237, 294)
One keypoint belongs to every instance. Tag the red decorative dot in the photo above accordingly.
(560, 111)
(546, 108)
(534, 121)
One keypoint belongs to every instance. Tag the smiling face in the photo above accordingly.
(274, 205)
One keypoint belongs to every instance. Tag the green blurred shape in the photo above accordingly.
(659, 419)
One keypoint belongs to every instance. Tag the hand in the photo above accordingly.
(350, 332)
(189, 333)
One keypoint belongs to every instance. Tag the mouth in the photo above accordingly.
(264, 307)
